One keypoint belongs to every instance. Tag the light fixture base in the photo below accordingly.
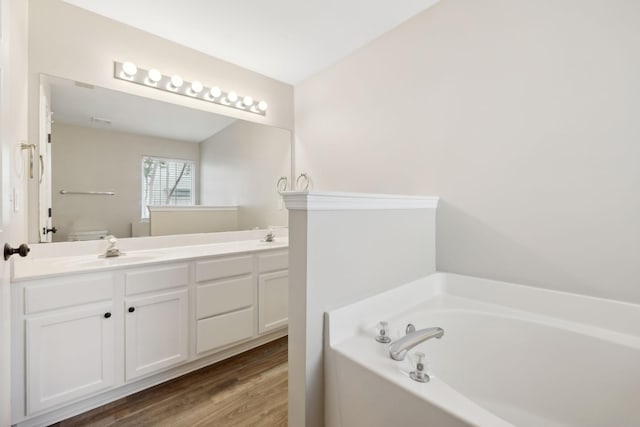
(162, 82)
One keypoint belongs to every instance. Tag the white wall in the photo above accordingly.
(339, 255)
(522, 116)
(87, 159)
(240, 166)
(72, 43)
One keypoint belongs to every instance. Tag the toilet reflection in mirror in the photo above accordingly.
(130, 166)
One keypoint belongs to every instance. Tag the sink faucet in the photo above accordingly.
(112, 250)
(399, 348)
(270, 237)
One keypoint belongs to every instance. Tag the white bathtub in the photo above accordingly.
(510, 356)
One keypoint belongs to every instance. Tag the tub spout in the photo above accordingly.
(399, 348)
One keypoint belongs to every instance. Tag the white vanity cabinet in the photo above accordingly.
(156, 319)
(70, 333)
(83, 339)
(273, 291)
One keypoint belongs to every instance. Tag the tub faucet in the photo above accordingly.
(399, 348)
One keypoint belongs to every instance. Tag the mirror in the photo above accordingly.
(114, 154)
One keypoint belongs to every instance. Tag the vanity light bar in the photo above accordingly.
(175, 84)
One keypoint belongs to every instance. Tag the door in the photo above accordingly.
(13, 129)
(156, 332)
(5, 317)
(71, 354)
(45, 228)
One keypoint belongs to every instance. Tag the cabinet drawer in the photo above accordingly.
(225, 329)
(222, 297)
(273, 261)
(223, 267)
(67, 292)
(156, 278)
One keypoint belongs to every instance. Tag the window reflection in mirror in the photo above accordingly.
(167, 182)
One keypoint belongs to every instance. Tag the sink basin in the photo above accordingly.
(105, 262)
(274, 243)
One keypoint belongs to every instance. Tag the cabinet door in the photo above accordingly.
(69, 355)
(156, 332)
(273, 296)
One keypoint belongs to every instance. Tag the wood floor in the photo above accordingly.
(246, 390)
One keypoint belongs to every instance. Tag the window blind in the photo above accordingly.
(167, 182)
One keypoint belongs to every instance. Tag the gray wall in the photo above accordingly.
(69, 42)
(86, 159)
(240, 166)
(521, 116)
(14, 170)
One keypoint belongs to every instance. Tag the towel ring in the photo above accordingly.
(306, 181)
(283, 185)
(32, 153)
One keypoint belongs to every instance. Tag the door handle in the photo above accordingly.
(22, 250)
(41, 168)
(46, 230)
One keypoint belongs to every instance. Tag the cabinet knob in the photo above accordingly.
(132, 309)
(107, 315)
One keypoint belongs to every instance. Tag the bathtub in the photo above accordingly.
(511, 355)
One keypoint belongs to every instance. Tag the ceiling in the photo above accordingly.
(80, 104)
(288, 40)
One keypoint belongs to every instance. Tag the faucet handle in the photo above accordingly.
(420, 372)
(383, 332)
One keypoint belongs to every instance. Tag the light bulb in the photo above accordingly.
(154, 76)
(176, 81)
(196, 87)
(247, 100)
(129, 69)
(232, 96)
(215, 92)
(262, 106)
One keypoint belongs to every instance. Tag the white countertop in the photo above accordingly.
(37, 268)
